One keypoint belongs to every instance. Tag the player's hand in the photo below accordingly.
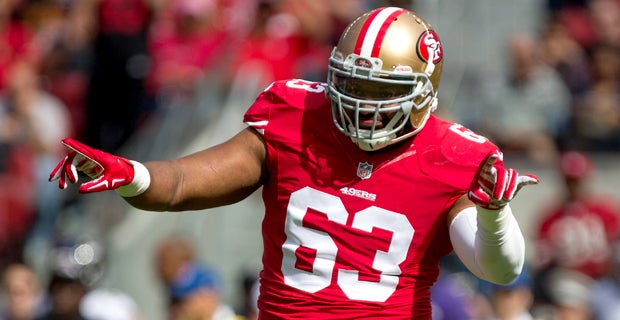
(108, 171)
(494, 186)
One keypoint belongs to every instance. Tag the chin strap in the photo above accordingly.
(434, 103)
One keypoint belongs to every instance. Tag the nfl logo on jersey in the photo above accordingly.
(364, 170)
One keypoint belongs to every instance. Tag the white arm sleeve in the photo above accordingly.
(489, 243)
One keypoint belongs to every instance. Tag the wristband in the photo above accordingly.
(495, 225)
(139, 184)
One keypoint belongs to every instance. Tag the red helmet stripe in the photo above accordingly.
(381, 34)
(373, 31)
(364, 30)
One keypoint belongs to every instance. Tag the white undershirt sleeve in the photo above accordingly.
(489, 243)
(141, 181)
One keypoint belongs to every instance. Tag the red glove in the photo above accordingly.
(108, 171)
(494, 186)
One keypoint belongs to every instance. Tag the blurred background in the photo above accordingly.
(158, 79)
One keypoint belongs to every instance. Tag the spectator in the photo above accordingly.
(16, 181)
(23, 293)
(249, 286)
(76, 267)
(195, 294)
(456, 294)
(597, 113)
(513, 301)
(108, 304)
(65, 295)
(252, 311)
(576, 232)
(527, 109)
(567, 57)
(569, 292)
(171, 254)
(192, 288)
(15, 39)
(576, 19)
(605, 15)
(116, 96)
(605, 297)
(452, 297)
(16, 197)
(64, 31)
(42, 119)
(186, 40)
(290, 39)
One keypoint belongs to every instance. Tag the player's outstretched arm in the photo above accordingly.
(484, 233)
(217, 176)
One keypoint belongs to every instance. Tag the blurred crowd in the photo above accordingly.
(101, 70)
(574, 263)
(561, 87)
(557, 103)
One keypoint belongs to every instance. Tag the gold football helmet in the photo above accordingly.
(383, 76)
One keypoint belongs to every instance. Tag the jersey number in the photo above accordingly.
(387, 262)
(467, 134)
(306, 85)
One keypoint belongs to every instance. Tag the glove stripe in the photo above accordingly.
(512, 185)
(500, 184)
(494, 186)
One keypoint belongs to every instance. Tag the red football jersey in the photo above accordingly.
(579, 235)
(348, 233)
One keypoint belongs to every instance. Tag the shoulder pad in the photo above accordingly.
(464, 147)
(452, 153)
(296, 92)
(282, 98)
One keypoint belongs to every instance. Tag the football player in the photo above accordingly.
(364, 188)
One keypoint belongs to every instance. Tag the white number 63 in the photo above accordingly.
(387, 262)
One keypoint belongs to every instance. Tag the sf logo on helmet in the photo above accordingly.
(429, 47)
(363, 62)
